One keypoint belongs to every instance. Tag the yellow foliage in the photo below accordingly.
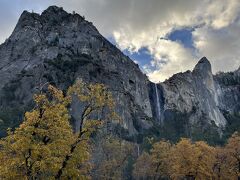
(233, 155)
(114, 157)
(161, 153)
(37, 147)
(154, 165)
(188, 160)
(44, 145)
(192, 160)
(143, 168)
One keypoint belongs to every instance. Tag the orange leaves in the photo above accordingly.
(96, 95)
(114, 158)
(38, 148)
(143, 166)
(41, 140)
(154, 164)
(194, 160)
(233, 151)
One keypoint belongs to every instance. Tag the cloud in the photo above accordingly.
(221, 46)
(169, 57)
(219, 14)
(135, 24)
(215, 36)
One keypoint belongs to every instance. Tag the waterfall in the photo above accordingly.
(158, 103)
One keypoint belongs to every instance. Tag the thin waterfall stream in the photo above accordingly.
(158, 103)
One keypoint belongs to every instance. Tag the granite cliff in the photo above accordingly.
(57, 47)
(197, 103)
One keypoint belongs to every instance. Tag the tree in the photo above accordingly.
(115, 154)
(220, 168)
(143, 168)
(39, 144)
(205, 155)
(183, 160)
(160, 155)
(192, 160)
(44, 146)
(98, 105)
(232, 149)
(155, 164)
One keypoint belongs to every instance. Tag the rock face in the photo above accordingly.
(57, 47)
(228, 91)
(193, 96)
(198, 102)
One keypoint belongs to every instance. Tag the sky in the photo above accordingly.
(163, 36)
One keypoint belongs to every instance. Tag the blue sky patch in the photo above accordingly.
(143, 56)
(183, 36)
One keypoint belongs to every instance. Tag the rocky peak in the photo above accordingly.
(52, 16)
(58, 14)
(27, 19)
(54, 13)
(54, 10)
(203, 66)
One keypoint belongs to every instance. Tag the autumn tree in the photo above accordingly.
(155, 164)
(232, 149)
(183, 160)
(143, 168)
(35, 149)
(220, 167)
(192, 160)
(227, 164)
(44, 146)
(98, 108)
(161, 154)
(114, 155)
(205, 155)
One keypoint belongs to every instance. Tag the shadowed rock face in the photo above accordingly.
(57, 47)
